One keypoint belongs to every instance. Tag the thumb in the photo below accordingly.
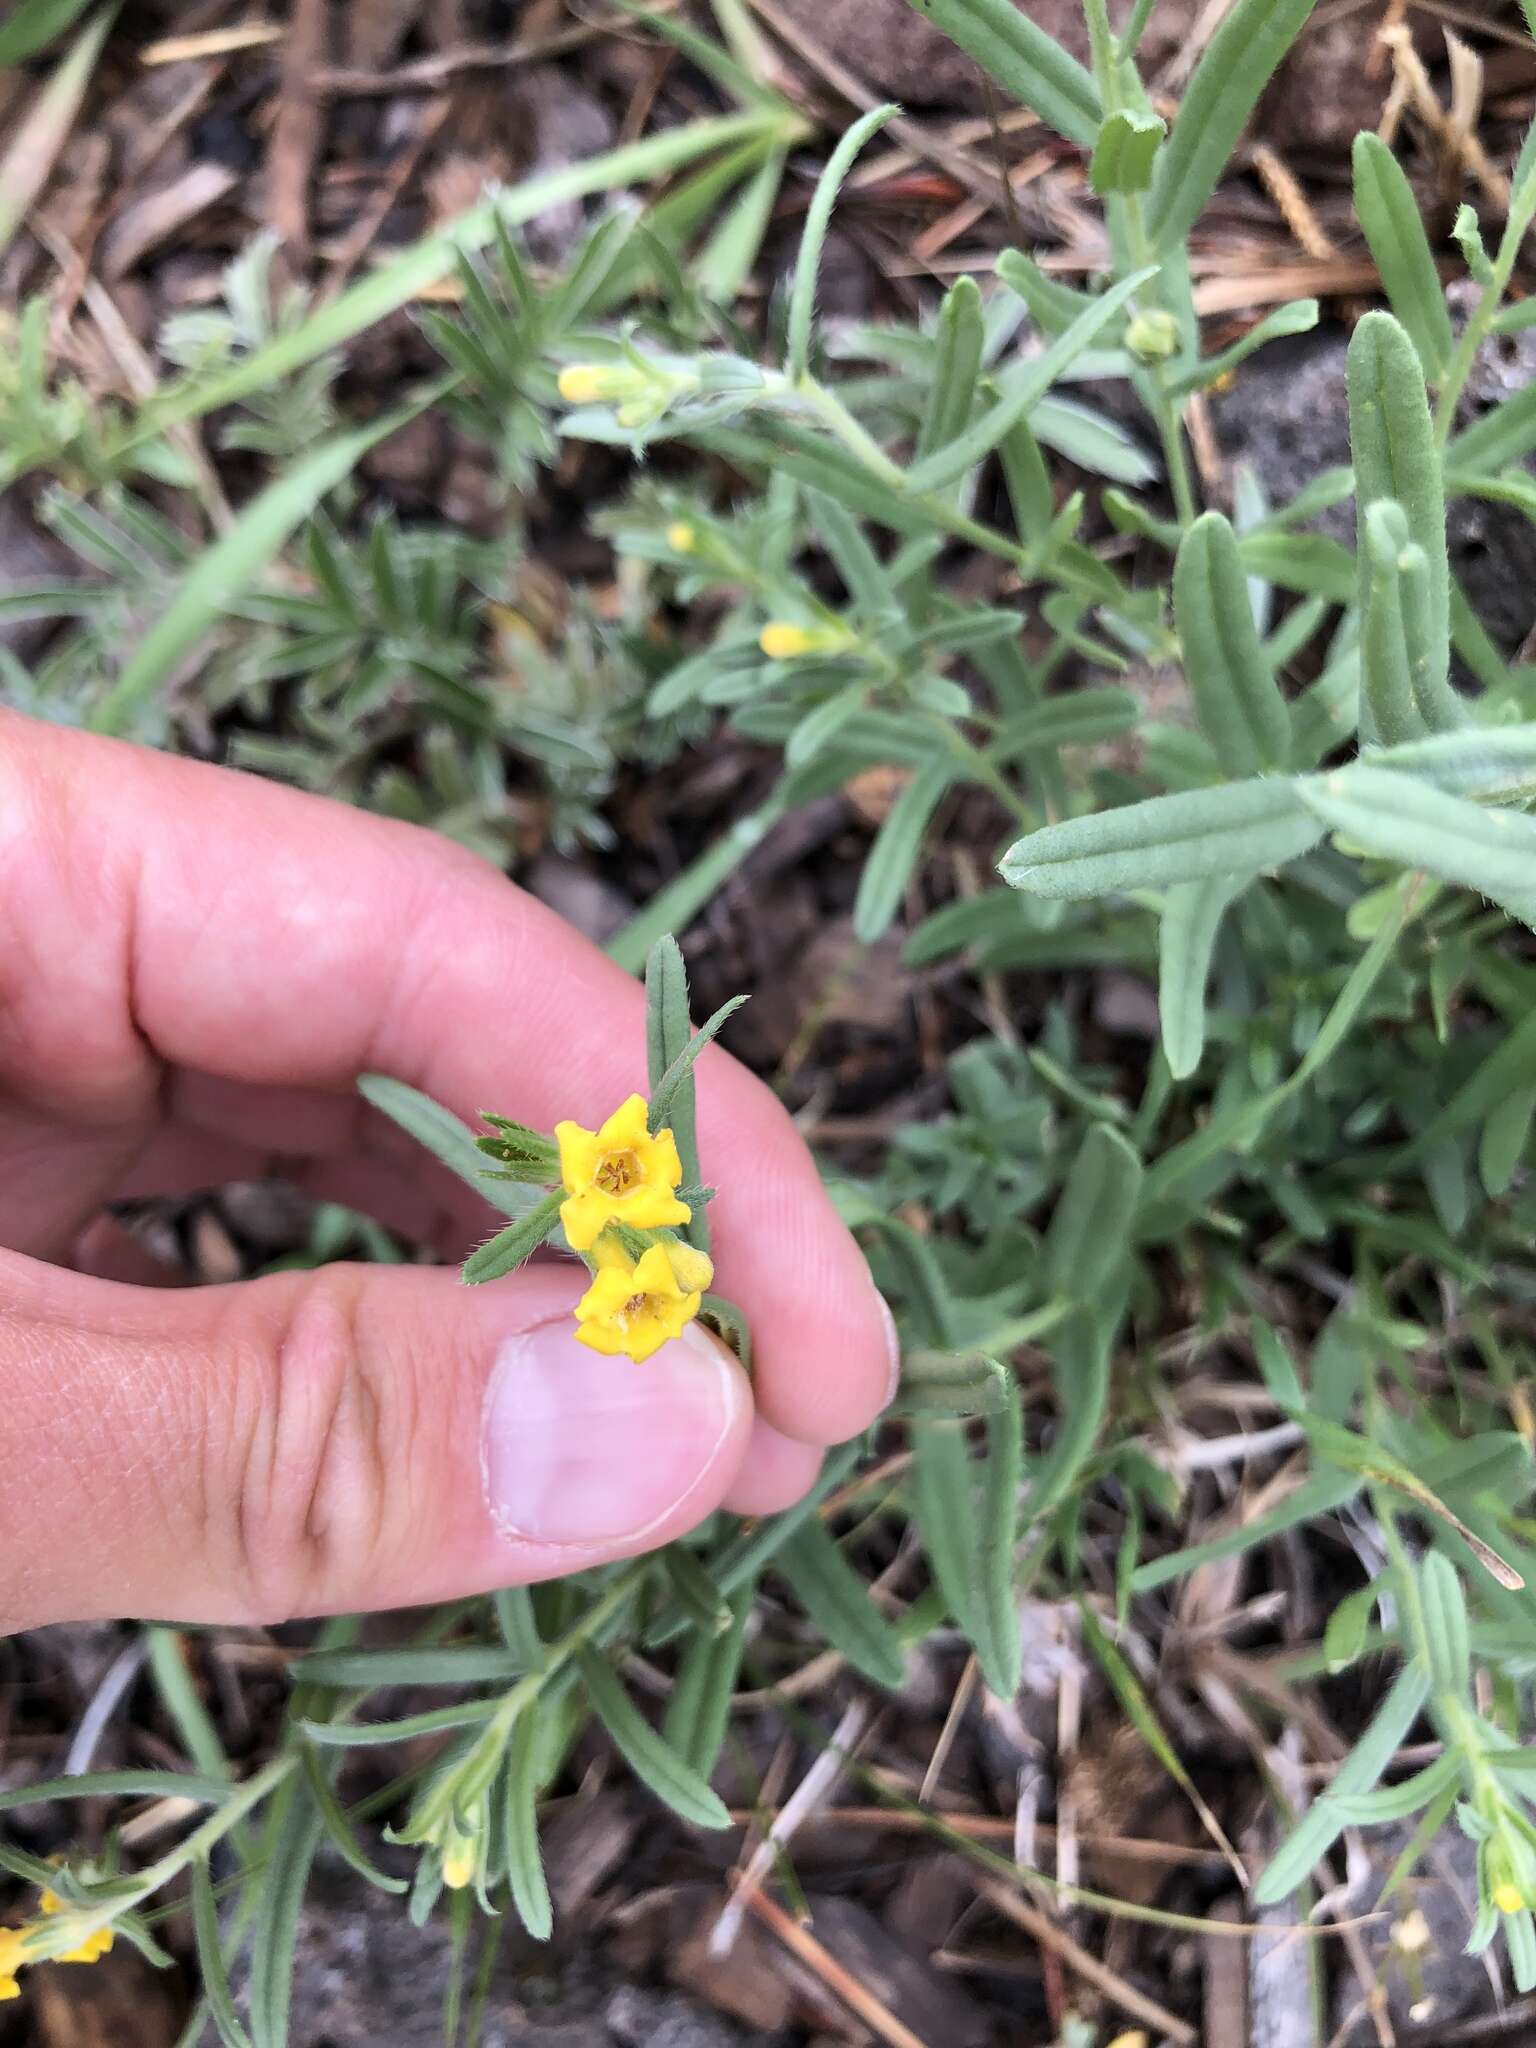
(327, 1442)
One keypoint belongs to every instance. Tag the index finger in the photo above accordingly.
(164, 911)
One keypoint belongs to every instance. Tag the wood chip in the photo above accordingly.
(160, 215)
(213, 42)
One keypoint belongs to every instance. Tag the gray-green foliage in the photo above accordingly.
(1321, 853)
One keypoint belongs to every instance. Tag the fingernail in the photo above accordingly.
(582, 1449)
(892, 1349)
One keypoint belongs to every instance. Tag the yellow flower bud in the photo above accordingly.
(781, 641)
(681, 537)
(458, 1864)
(692, 1270)
(1508, 1898)
(590, 383)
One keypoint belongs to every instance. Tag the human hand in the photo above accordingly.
(195, 968)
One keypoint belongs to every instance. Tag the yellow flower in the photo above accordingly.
(1508, 1898)
(458, 1864)
(95, 1945)
(632, 1310)
(681, 537)
(622, 1173)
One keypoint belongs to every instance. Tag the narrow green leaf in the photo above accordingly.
(1080, 1357)
(669, 1089)
(1238, 63)
(1021, 390)
(1180, 838)
(525, 1865)
(1318, 1829)
(1505, 1073)
(668, 1030)
(958, 343)
(1053, 306)
(699, 1709)
(897, 846)
(1297, 316)
(519, 1626)
(1397, 817)
(656, 1765)
(1241, 710)
(1394, 621)
(510, 1247)
(1392, 443)
(210, 1959)
(1192, 914)
(1446, 1643)
(448, 1140)
(477, 1664)
(191, 1785)
(1314, 1499)
(1504, 1139)
(840, 1605)
(1389, 215)
(1090, 1229)
(1124, 153)
(802, 296)
(339, 1829)
(1024, 61)
(290, 1839)
(1488, 762)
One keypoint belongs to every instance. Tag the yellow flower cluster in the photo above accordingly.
(621, 1180)
(20, 1946)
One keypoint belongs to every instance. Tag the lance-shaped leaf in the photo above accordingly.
(897, 846)
(1124, 153)
(1239, 827)
(1399, 818)
(1392, 442)
(509, 1248)
(1505, 435)
(651, 1759)
(1389, 214)
(841, 1605)
(1024, 61)
(1241, 710)
(1239, 62)
(969, 1523)
(1192, 914)
(802, 296)
(1090, 1228)
(1053, 306)
(1476, 760)
(1022, 389)
(1297, 316)
(958, 344)
(1395, 605)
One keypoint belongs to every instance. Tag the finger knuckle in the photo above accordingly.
(312, 1481)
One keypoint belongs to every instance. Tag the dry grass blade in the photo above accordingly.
(1042, 1929)
(840, 1982)
(213, 42)
(29, 162)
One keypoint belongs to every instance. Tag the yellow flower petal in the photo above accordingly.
(9, 1988)
(458, 1867)
(1508, 1898)
(632, 1310)
(681, 537)
(622, 1173)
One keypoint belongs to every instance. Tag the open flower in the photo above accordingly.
(623, 1173)
(633, 1307)
(33, 1943)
